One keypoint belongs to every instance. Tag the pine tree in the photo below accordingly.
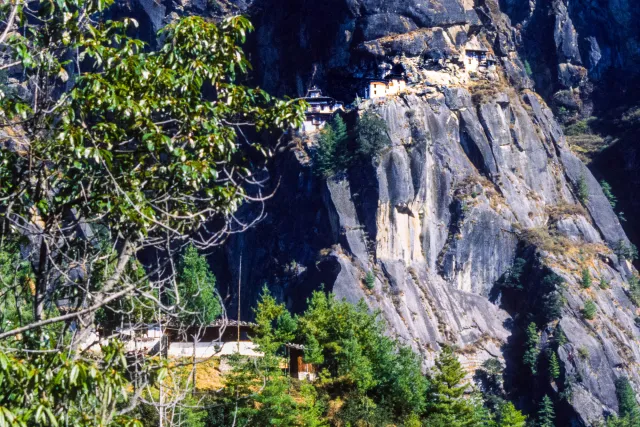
(582, 189)
(546, 414)
(446, 405)
(586, 279)
(606, 189)
(509, 416)
(532, 351)
(332, 154)
(627, 404)
(196, 285)
(554, 366)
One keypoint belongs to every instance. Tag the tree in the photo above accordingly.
(372, 135)
(446, 405)
(513, 277)
(586, 279)
(119, 149)
(589, 310)
(554, 366)
(546, 415)
(606, 189)
(370, 280)
(332, 153)
(627, 405)
(509, 416)
(582, 190)
(196, 289)
(625, 250)
(532, 351)
(51, 388)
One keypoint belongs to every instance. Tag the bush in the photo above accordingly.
(372, 135)
(604, 284)
(634, 289)
(370, 280)
(589, 310)
(580, 127)
(583, 352)
(582, 189)
(625, 250)
(606, 189)
(586, 279)
(527, 68)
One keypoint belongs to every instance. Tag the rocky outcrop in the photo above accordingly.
(583, 54)
(477, 175)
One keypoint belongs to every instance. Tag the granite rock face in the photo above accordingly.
(477, 175)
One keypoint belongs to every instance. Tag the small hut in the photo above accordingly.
(297, 367)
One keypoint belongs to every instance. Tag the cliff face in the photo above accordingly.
(478, 175)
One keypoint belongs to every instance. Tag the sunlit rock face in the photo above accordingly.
(478, 174)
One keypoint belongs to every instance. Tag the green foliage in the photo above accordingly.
(370, 280)
(332, 153)
(634, 289)
(54, 388)
(589, 310)
(554, 366)
(446, 403)
(586, 279)
(509, 416)
(532, 351)
(196, 288)
(583, 352)
(550, 307)
(513, 277)
(559, 337)
(372, 135)
(627, 404)
(580, 127)
(606, 189)
(604, 284)
(546, 414)
(625, 250)
(527, 68)
(351, 347)
(582, 190)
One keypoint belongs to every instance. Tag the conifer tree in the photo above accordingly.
(532, 351)
(586, 279)
(627, 404)
(509, 416)
(446, 405)
(554, 366)
(546, 414)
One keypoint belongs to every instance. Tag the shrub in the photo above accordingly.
(527, 68)
(332, 154)
(604, 284)
(372, 135)
(625, 250)
(589, 310)
(586, 279)
(606, 189)
(582, 189)
(634, 289)
(370, 280)
(583, 352)
(580, 127)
